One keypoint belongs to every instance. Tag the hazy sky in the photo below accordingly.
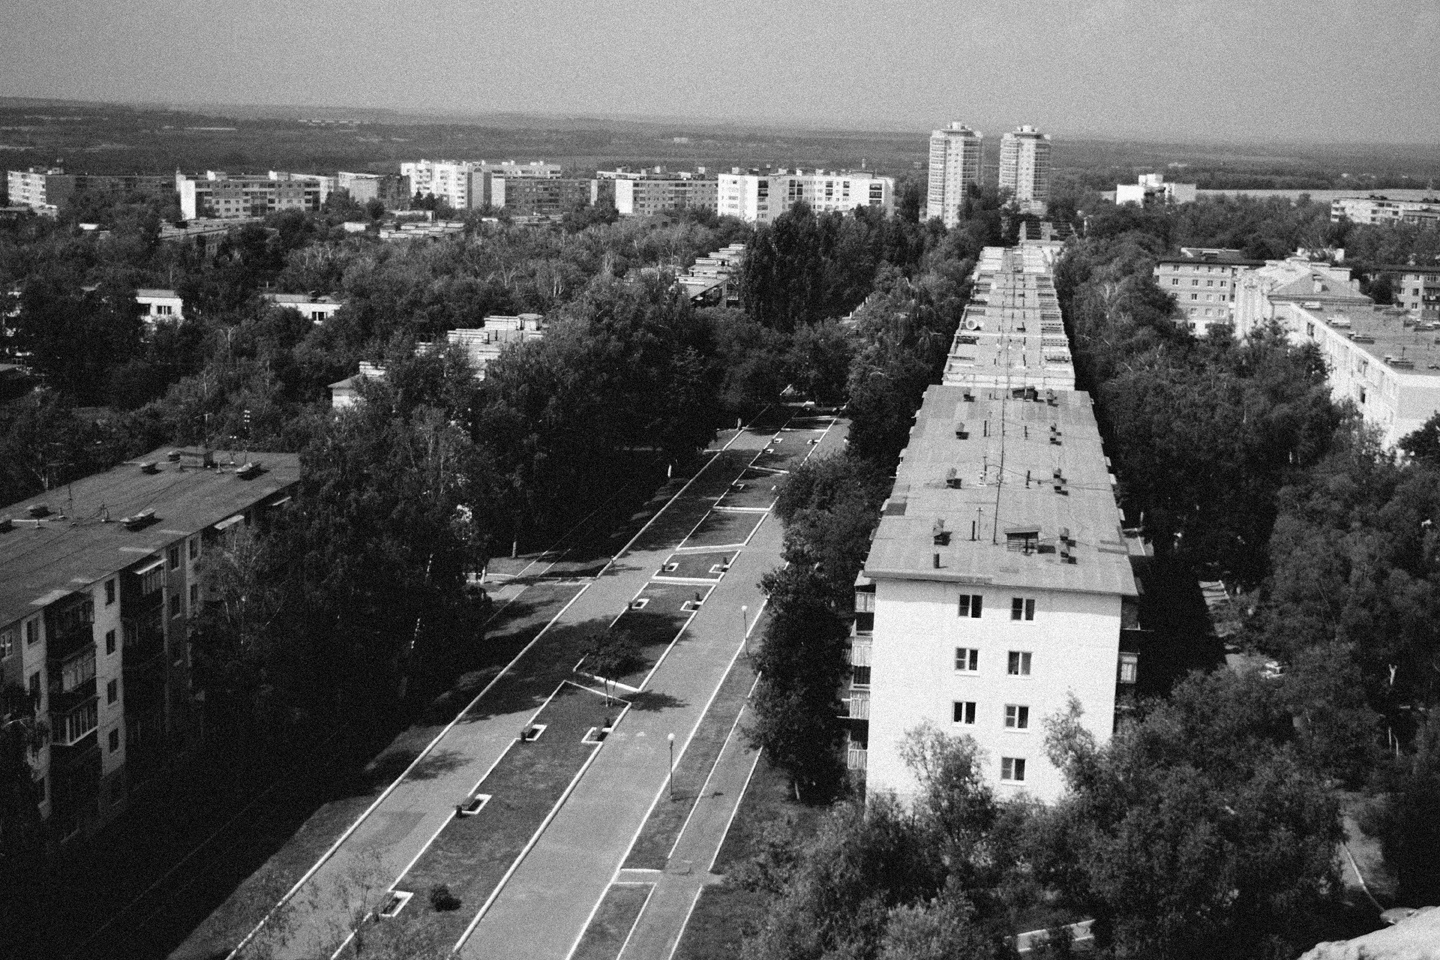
(1232, 69)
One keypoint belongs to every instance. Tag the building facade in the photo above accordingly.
(1418, 291)
(1025, 168)
(97, 584)
(1203, 283)
(762, 197)
(1378, 209)
(391, 189)
(159, 305)
(1258, 290)
(648, 195)
(45, 190)
(540, 196)
(957, 156)
(314, 307)
(221, 196)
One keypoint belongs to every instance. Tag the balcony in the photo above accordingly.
(856, 707)
(855, 757)
(144, 642)
(70, 728)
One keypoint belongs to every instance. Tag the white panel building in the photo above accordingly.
(1025, 168)
(762, 197)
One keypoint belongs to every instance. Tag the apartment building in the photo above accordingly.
(1025, 168)
(45, 190)
(221, 196)
(1012, 332)
(1151, 189)
(1380, 358)
(484, 344)
(645, 195)
(1000, 582)
(391, 189)
(467, 184)
(710, 279)
(1203, 282)
(540, 196)
(1376, 209)
(1258, 290)
(97, 582)
(1418, 291)
(957, 155)
(485, 172)
(757, 197)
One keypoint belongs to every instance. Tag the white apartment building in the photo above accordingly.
(447, 180)
(328, 184)
(762, 197)
(1379, 358)
(1025, 168)
(957, 155)
(1002, 585)
(1203, 282)
(1378, 209)
(159, 305)
(1152, 188)
(314, 307)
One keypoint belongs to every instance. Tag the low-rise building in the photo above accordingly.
(710, 280)
(313, 306)
(328, 184)
(97, 585)
(160, 305)
(1152, 188)
(484, 344)
(757, 197)
(1418, 291)
(1202, 281)
(1382, 359)
(346, 393)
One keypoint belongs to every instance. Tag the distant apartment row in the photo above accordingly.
(957, 155)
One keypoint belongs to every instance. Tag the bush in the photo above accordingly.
(442, 899)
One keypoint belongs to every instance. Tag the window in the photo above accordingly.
(152, 579)
(964, 712)
(1017, 717)
(1194, 296)
(194, 547)
(77, 670)
(860, 676)
(109, 642)
(1019, 663)
(32, 632)
(1209, 283)
(174, 556)
(114, 740)
(1129, 667)
(970, 604)
(967, 659)
(35, 687)
(109, 591)
(174, 605)
(8, 636)
(1175, 282)
(1022, 609)
(1012, 769)
(194, 595)
(1194, 283)
(112, 691)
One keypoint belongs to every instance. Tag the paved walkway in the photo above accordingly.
(546, 902)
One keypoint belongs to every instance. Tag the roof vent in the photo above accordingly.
(173, 456)
(149, 466)
(138, 520)
(960, 432)
(940, 535)
(952, 479)
(6, 524)
(249, 470)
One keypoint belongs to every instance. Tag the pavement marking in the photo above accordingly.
(675, 639)
(385, 794)
(596, 909)
(634, 924)
(711, 775)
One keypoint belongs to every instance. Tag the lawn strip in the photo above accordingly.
(724, 528)
(612, 923)
(651, 849)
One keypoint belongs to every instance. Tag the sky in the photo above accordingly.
(1283, 70)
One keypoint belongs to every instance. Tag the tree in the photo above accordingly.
(1409, 822)
(801, 665)
(609, 655)
(1424, 444)
(22, 833)
(1194, 832)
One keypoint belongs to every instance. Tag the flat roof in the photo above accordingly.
(1012, 333)
(1003, 486)
(75, 544)
(1387, 335)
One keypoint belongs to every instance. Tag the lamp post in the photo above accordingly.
(670, 777)
(745, 627)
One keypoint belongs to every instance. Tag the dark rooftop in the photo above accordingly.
(79, 536)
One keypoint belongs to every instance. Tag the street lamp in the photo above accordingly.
(670, 778)
(745, 626)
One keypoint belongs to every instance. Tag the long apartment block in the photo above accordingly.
(1001, 582)
(1012, 333)
(98, 581)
